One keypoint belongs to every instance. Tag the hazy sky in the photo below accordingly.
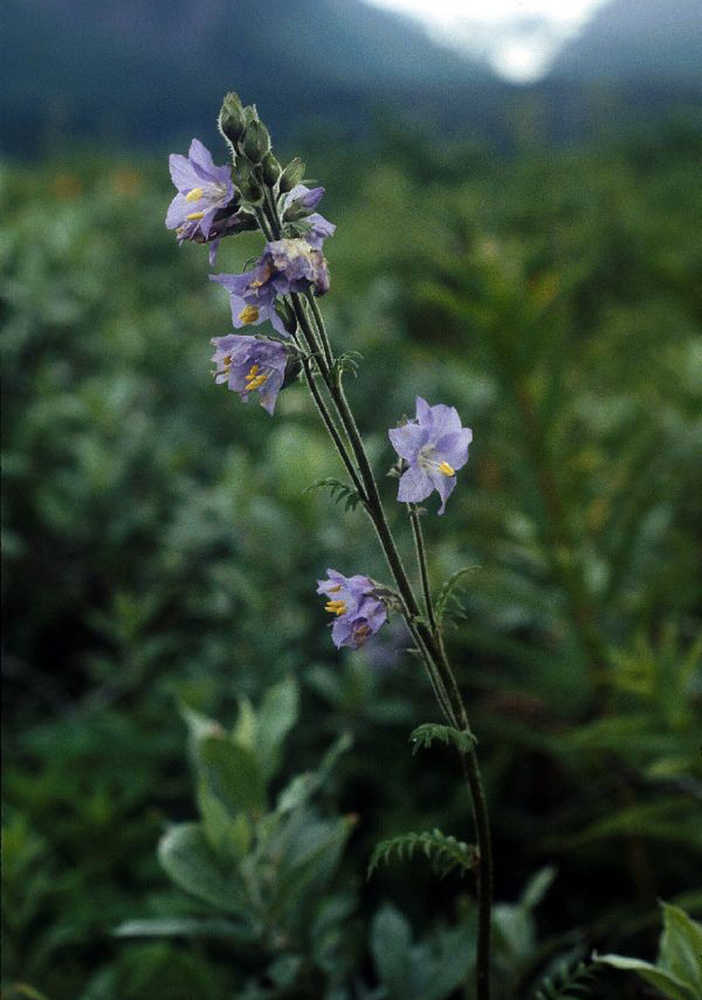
(518, 37)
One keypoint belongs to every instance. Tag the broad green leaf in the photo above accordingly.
(244, 732)
(390, 943)
(303, 786)
(669, 985)
(681, 947)
(232, 774)
(229, 836)
(183, 927)
(199, 726)
(442, 962)
(277, 715)
(193, 865)
(315, 865)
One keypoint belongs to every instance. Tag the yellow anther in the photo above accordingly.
(253, 370)
(249, 314)
(446, 469)
(334, 590)
(194, 195)
(255, 382)
(195, 215)
(336, 607)
(227, 361)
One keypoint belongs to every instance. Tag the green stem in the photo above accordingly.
(427, 636)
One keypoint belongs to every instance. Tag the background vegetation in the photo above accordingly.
(161, 550)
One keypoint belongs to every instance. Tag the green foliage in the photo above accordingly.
(570, 980)
(158, 546)
(677, 973)
(431, 969)
(447, 595)
(423, 736)
(445, 853)
(339, 491)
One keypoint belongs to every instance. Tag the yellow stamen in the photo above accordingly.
(446, 469)
(336, 607)
(249, 314)
(255, 383)
(195, 215)
(194, 195)
(227, 361)
(334, 590)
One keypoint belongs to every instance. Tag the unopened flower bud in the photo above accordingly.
(231, 120)
(256, 142)
(292, 175)
(271, 169)
(246, 182)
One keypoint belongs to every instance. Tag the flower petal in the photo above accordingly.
(407, 440)
(414, 485)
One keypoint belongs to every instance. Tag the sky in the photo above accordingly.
(517, 37)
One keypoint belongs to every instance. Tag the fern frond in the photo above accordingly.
(348, 361)
(448, 592)
(423, 736)
(574, 980)
(445, 853)
(339, 491)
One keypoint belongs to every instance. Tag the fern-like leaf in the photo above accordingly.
(447, 594)
(445, 853)
(339, 491)
(349, 361)
(423, 736)
(572, 980)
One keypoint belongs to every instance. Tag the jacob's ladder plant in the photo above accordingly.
(282, 289)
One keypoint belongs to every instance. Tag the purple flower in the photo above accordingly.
(203, 191)
(359, 612)
(434, 445)
(298, 204)
(252, 297)
(251, 364)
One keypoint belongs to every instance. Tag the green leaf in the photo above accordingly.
(669, 985)
(229, 836)
(277, 715)
(681, 947)
(448, 590)
(537, 887)
(303, 786)
(183, 927)
(423, 736)
(192, 864)
(244, 732)
(339, 491)
(233, 775)
(390, 942)
(445, 853)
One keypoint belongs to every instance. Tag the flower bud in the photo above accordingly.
(246, 182)
(256, 142)
(271, 169)
(231, 120)
(292, 175)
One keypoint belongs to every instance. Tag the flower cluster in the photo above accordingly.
(257, 193)
(218, 201)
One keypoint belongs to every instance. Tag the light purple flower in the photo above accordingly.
(203, 191)
(434, 445)
(298, 204)
(251, 364)
(359, 612)
(252, 297)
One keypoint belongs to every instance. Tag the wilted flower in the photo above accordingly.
(434, 445)
(203, 191)
(296, 266)
(251, 364)
(359, 612)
